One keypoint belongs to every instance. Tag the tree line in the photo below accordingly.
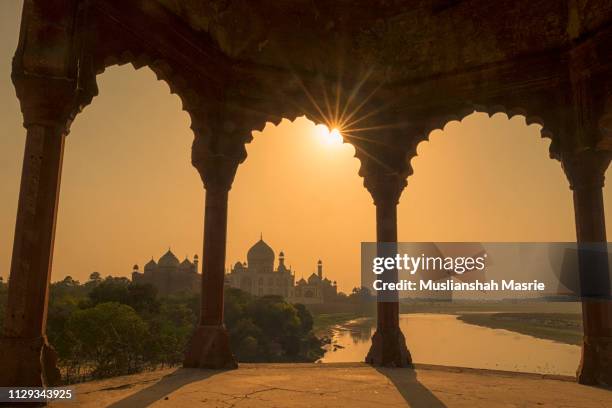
(111, 326)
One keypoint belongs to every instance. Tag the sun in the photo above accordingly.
(330, 137)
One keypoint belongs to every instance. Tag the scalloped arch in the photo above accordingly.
(440, 122)
(163, 72)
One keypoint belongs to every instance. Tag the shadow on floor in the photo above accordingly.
(415, 393)
(164, 387)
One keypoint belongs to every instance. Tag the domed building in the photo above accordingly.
(169, 275)
(258, 277)
(316, 289)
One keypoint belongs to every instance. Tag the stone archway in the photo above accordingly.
(232, 81)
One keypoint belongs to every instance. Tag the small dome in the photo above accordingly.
(281, 254)
(150, 265)
(135, 267)
(196, 257)
(186, 263)
(238, 265)
(168, 259)
(313, 278)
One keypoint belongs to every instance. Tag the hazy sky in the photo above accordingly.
(129, 191)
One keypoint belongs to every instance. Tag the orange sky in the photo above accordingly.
(129, 191)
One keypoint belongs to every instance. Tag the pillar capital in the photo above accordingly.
(217, 172)
(216, 157)
(586, 169)
(385, 188)
(49, 101)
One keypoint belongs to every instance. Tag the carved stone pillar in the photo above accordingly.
(48, 106)
(209, 346)
(388, 343)
(585, 172)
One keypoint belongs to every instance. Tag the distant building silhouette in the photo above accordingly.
(169, 275)
(259, 278)
(316, 287)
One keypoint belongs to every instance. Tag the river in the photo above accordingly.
(443, 339)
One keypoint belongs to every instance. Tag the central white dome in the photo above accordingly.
(260, 257)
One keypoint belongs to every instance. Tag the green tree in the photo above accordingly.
(110, 290)
(305, 317)
(257, 347)
(67, 287)
(235, 305)
(110, 336)
(143, 298)
(169, 332)
(94, 279)
(274, 316)
(268, 328)
(61, 309)
(112, 326)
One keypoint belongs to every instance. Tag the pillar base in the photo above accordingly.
(389, 349)
(596, 362)
(28, 363)
(209, 347)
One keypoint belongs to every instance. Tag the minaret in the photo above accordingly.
(195, 262)
(281, 260)
(135, 273)
(320, 269)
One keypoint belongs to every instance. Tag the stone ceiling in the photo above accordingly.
(411, 39)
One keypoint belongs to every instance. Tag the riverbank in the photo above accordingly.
(444, 339)
(324, 323)
(556, 321)
(465, 306)
(560, 327)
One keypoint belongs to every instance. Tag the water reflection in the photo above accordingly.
(360, 330)
(444, 340)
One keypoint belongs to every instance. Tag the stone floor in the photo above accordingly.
(336, 385)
